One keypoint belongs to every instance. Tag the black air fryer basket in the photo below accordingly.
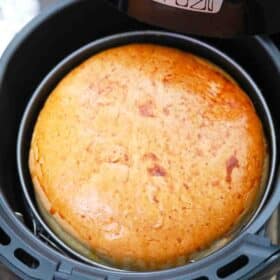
(27, 246)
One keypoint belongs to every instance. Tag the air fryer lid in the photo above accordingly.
(214, 18)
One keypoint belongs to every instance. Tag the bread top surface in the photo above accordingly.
(148, 154)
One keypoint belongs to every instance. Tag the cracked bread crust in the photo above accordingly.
(146, 154)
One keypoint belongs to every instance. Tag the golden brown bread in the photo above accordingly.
(147, 154)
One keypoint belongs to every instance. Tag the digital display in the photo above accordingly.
(202, 6)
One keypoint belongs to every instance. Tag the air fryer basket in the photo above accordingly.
(35, 51)
(159, 37)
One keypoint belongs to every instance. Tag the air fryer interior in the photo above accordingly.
(162, 38)
(61, 35)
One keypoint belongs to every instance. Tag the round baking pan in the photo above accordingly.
(159, 37)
